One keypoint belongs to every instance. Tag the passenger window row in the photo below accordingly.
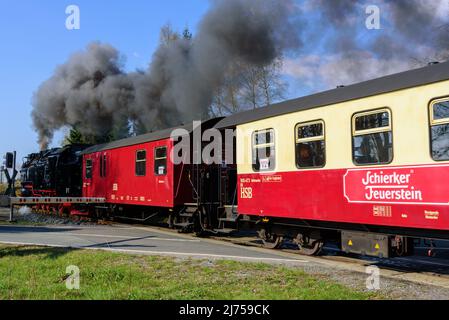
(160, 164)
(372, 140)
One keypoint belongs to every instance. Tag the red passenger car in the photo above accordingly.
(138, 173)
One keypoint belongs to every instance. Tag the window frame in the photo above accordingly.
(358, 133)
(435, 122)
(312, 139)
(261, 146)
(156, 173)
(138, 161)
(91, 166)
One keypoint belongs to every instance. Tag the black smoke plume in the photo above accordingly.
(92, 92)
(413, 33)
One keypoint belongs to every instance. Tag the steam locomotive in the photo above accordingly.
(365, 166)
(54, 172)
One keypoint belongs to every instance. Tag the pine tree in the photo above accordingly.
(186, 34)
(121, 130)
(138, 128)
(74, 137)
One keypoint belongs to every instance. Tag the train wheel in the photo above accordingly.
(308, 246)
(270, 240)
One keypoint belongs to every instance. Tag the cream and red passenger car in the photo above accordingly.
(367, 163)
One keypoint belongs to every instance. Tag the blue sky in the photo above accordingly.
(35, 40)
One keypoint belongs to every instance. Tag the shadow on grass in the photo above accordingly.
(54, 253)
(22, 251)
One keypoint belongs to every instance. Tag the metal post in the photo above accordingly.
(13, 188)
(1, 174)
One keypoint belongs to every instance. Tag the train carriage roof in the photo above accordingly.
(409, 79)
(149, 137)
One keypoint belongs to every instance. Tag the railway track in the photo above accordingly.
(420, 263)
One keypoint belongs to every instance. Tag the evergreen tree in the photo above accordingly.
(122, 130)
(74, 137)
(186, 34)
(138, 128)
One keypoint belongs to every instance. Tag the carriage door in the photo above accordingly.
(228, 185)
(87, 177)
(102, 182)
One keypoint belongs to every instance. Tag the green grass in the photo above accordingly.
(39, 273)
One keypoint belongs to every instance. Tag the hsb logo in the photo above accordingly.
(246, 193)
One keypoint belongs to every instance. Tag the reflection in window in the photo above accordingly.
(373, 148)
(373, 139)
(141, 163)
(160, 161)
(440, 131)
(372, 121)
(440, 142)
(310, 145)
(441, 110)
(264, 157)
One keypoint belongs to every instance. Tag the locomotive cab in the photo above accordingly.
(54, 172)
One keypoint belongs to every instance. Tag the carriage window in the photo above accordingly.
(310, 145)
(89, 169)
(103, 163)
(440, 130)
(264, 152)
(141, 163)
(372, 138)
(160, 161)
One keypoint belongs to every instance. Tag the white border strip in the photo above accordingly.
(391, 168)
